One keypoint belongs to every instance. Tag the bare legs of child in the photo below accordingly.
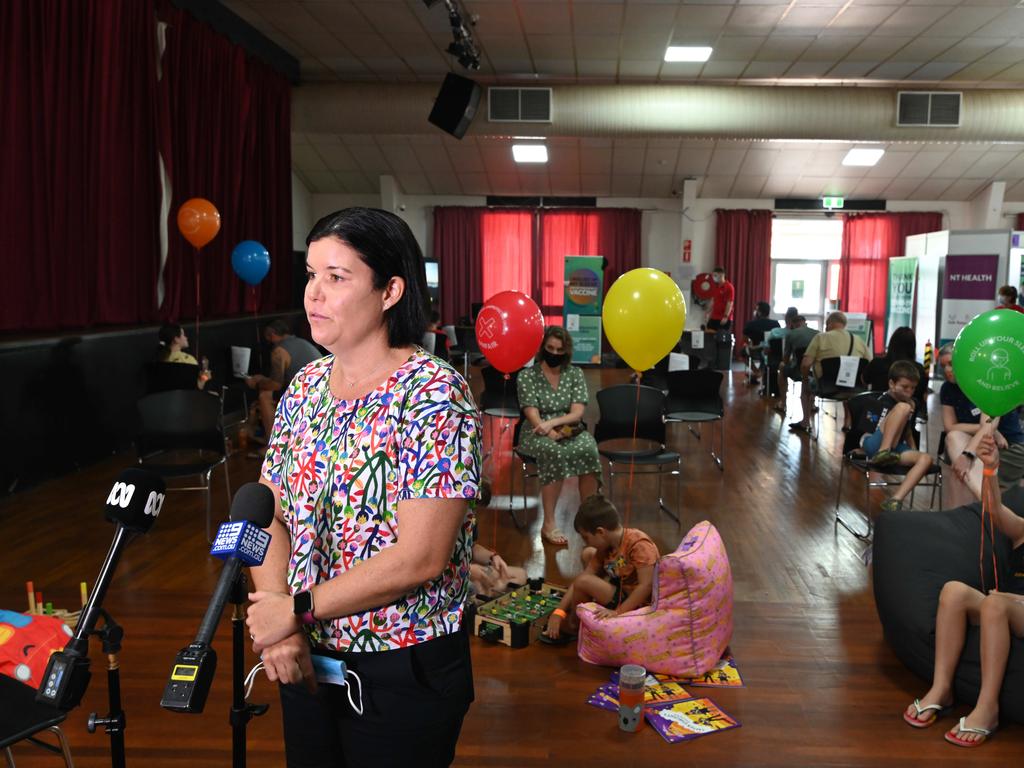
(585, 588)
(893, 427)
(999, 615)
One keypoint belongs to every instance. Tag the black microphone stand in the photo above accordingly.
(241, 713)
(114, 723)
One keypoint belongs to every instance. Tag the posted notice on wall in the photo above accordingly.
(968, 290)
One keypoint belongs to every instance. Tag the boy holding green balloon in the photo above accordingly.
(892, 442)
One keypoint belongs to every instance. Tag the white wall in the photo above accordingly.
(302, 219)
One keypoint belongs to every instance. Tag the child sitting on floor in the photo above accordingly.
(618, 569)
(892, 442)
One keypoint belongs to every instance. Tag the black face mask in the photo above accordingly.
(553, 360)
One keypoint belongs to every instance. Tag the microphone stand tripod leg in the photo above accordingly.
(241, 713)
(115, 722)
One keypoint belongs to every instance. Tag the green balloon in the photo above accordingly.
(988, 361)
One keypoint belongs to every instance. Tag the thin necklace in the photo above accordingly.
(353, 382)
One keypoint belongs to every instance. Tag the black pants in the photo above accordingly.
(717, 325)
(414, 700)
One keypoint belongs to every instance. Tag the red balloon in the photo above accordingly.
(509, 330)
(198, 221)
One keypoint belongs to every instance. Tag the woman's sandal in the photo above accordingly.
(953, 735)
(554, 537)
(915, 721)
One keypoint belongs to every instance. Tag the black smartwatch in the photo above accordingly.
(303, 607)
(969, 454)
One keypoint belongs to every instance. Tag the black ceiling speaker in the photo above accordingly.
(455, 105)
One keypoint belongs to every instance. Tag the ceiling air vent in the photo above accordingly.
(940, 109)
(519, 105)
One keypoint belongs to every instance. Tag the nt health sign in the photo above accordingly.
(969, 288)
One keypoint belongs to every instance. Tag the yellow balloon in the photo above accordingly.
(644, 313)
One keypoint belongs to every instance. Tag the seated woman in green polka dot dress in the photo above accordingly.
(553, 394)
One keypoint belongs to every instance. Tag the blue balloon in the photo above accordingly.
(251, 261)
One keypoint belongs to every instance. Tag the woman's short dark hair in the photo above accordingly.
(387, 246)
(1009, 290)
(563, 336)
(596, 512)
(168, 332)
(902, 345)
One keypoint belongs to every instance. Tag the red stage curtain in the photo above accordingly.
(869, 241)
(507, 252)
(225, 124)
(743, 246)
(483, 252)
(458, 248)
(613, 233)
(78, 162)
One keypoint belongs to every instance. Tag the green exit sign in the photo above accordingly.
(831, 203)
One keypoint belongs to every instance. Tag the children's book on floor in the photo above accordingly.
(684, 720)
(723, 675)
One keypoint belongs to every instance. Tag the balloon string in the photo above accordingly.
(256, 323)
(987, 504)
(632, 464)
(198, 261)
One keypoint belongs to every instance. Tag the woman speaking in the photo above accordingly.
(374, 460)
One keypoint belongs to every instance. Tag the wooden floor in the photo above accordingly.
(822, 688)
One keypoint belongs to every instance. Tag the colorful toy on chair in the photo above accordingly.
(688, 625)
(26, 642)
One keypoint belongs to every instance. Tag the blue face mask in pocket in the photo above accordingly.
(330, 671)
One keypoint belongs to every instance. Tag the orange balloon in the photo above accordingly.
(198, 221)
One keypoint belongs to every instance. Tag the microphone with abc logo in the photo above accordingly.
(133, 504)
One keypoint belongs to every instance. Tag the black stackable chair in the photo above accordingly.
(633, 410)
(181, 434)
(695, 397)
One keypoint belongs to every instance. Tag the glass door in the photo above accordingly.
(799, 284)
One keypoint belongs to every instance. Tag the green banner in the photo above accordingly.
(584, 284)
(586, 338)
(902, 282)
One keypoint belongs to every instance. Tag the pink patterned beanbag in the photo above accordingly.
(688, 625)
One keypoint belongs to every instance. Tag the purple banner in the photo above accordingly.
(971, 277)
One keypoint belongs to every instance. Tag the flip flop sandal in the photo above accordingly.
(953, 735)
(555, 538)
(915, 721)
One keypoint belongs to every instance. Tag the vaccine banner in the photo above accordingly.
(902, 282)
(584, 294)
(969, 288)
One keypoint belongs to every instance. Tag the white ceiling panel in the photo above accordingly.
(650, 18)
(717, 186)
(726, 161)
(959, 44)
(597, 19)
(627, 185)
(925, 163)
(911, 19)
(543, 17)
(748, 186)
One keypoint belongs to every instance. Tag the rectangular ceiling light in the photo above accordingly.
(866, 157)
(687, 53)
(530, 153)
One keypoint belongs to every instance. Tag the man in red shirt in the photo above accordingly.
(722, 300)
(1008, 298)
